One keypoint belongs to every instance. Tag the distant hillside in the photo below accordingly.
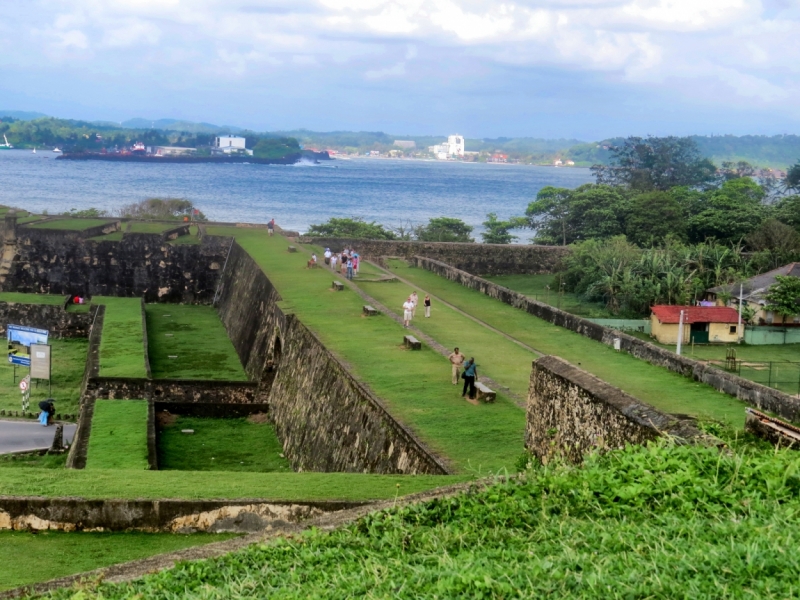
(178, 125)
(21, 115)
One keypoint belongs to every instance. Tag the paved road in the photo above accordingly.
(19, 436)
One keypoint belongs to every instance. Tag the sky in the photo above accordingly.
(585, 69)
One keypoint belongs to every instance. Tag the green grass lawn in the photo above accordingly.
(220, 445)
(143, 227)
(27, 558)
(122, 346)
(195, 335)
(414, 385)
(68, 362)
(115, 483)
(72, 224)
(535, 286)
(657, 386)
(119, 435)
(42, 461)
(22, 298)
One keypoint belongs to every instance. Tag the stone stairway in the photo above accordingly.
(7, 259)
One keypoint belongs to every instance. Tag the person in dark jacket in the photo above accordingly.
(469, 375)
(49, 408)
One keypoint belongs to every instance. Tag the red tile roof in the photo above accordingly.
(695, 314)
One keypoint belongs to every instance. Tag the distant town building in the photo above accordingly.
(173, 151)
(231, 144)
(405, 144)
(498, 157)
(453, 147)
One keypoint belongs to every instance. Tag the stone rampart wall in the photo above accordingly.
(59, 322)
(760, 396)
(485, 259)
(326, 420)
(174, 516)
(572, 412)
(55, 262)
(176, 391)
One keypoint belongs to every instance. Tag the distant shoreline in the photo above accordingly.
(291, 159)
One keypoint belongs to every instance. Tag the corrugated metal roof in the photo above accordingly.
(755, 287)
(695, 314)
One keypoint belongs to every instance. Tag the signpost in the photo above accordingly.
(25, 388)
(40, 363)
(20, 339)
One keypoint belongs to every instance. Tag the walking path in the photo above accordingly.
(22, 436)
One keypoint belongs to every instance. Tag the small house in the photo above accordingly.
(701, 324)
(754, 295)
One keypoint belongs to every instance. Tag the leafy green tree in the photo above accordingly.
(656, 163)
(787, 210)
(652, 217)
(792, 179)
(444, 229)
(276, 147)
(784, 296)
(774, 236)
(729, 213)
(87, 212)
(168, 209)
(351, 228)
(498, 232)
(548, 215)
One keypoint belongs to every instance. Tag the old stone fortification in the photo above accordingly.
(572, 412)
(486, 259)
(59, 262)
(326, 419)
(174, 516)
(54, 318)
(760, 396)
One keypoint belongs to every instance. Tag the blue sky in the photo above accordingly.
(576, 68)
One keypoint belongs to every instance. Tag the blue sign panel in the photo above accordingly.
(20, 339)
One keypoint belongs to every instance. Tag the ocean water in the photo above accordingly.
(392, 192)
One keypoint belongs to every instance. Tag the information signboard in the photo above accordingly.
(20, 339)
(40, 361)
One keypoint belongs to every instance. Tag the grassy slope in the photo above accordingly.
(197, 337)
(142, 227)
(110, 483)
(27, 558)
(122, 346)
(69, 359)
(657, 522)
(535, 286)
(415, 385)
(657, 386)
(31, 298)
(73, 224)
(119, 435)
(220, 445)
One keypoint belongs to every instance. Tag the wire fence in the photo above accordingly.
(777, 374)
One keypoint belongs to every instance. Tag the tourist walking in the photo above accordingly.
(427, 304)
(470, 373)
(327, 255)
(456, 360)
(408, 307)
(414, 301)
(355, 263)
(333, 262)
(349, 268)
(271, 226)
(344, 264)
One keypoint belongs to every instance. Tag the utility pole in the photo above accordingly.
(739, 327)
(680, 334)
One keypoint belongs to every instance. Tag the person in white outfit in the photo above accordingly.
(414, 300)
(408, 308)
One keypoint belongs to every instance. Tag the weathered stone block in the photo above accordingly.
(483, 392)
(370, 311)
(412, 343)
(338, 286)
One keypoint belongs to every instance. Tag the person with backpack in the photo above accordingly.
(469, 375)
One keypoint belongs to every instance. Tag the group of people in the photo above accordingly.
(469, 374)
(348, 261)
(410, 308)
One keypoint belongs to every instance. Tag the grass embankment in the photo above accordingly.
(657, 386)
(22, 298)
(68, 362)
(220, 445)
(72, 224)
(187, 485)
(535, 286)
(144, 227)
(414, 385)
(658, 522)
(196, 337)
(27, 558)
(122, 346)
(34, 459)
(119, 435)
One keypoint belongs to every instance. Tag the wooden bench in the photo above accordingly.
(338, 286)
(292, 249)
(484, 393)
(411, 342)
(370, 311)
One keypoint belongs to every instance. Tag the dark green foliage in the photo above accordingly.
(444, 229)
(275, 147)
(498, 232)
(664, 521)
(656, 163)
(653, 217)
(354, 227)
(220, 445)
(792, 180)
(728, 213)
(88, 212)
(170, 209)
(784, 297)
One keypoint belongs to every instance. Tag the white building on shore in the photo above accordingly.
(231, 144)
(454, 146)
